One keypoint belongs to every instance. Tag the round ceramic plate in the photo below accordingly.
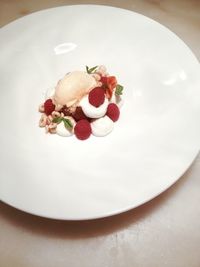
(153, 143)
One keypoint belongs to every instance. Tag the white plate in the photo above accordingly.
(155, 141)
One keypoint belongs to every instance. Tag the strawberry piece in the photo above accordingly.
(49, 107)
(82, 129)
(113, 112)
(112, 82)
(109, 83)
(96, 96)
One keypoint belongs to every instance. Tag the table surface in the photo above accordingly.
(162, 232)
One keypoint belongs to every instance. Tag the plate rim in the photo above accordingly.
(147, 199)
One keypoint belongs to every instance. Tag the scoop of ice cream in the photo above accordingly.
(102, 126)
(90, 110)
(73, 87)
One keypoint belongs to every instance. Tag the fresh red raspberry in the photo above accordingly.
(49, 107)
(79, 114)
(113, 112)
(82, 129)
(96, 96)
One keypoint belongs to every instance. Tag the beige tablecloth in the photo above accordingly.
(163, 232)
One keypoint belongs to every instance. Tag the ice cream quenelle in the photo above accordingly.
(82, 103)
(73, 87)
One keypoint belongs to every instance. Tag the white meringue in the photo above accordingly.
(62, 130)
(102, 126)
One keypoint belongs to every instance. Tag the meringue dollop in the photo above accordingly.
(62, 130)
(102, 126)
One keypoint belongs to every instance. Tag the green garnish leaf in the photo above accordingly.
(87, 69)
(90, 70)
(67, 123)
(57, 120)
(119, 89)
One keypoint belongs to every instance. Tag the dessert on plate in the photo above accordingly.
(82, 103)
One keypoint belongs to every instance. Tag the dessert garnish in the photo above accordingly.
(83, 103)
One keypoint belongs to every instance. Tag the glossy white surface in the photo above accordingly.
(159, 118)
(49, 93)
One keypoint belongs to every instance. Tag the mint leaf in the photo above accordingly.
(90, 70)
(119, 90)
(57, 120)
(87, 69)
(67, 123)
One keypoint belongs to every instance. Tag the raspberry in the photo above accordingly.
(97, 96)
(79, 114)
(113, 112)
(82, 129)
(49, 107)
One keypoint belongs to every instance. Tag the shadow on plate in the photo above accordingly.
(89, 228)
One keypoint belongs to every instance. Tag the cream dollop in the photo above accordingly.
(73, 87)
(91, 111)
(102, 126)
(62, 130)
